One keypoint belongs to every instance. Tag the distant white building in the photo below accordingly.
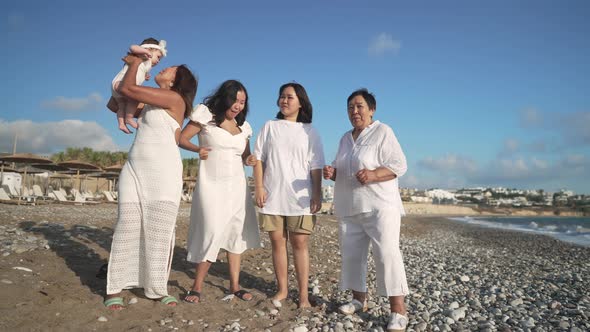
(440, 196)
(328, 194)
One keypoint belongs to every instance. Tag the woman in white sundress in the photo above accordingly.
(150, 186)
(222, 212)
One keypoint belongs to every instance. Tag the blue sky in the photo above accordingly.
(479, 93)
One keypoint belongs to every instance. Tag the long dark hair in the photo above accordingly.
(185, 84)
(223, 98)
(306, 112)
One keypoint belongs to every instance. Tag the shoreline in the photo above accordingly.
(460, 277)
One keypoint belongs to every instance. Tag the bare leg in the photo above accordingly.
(121, 113)
(234, 274)
(278, 240)
(396, 304)
(299, 243)
(130, 112)
(200, 273)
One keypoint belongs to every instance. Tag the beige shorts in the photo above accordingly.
(296, 224)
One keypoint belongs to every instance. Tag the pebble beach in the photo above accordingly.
(461, 278)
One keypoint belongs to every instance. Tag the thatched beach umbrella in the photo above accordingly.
(114, 168)
(25, 158)
(79, 166)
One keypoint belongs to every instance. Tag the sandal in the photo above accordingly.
(167, 300)
(109, 303)
(241, 294)
(192, 293)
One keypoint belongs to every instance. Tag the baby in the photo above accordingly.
(152, 51)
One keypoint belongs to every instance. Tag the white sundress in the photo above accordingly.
(222, 212)
(150, 186)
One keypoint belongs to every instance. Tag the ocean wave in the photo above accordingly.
(563, 231)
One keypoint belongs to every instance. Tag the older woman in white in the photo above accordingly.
(369, 208)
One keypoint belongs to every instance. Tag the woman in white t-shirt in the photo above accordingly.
(369, 207)
(288, 185)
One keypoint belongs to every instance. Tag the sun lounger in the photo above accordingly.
(109, 197)
(3, 195)
(11, 190)
(4, 198)
(37, 191)
(62, 199)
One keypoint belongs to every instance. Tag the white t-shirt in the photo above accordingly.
(375, 147)
(289, 151)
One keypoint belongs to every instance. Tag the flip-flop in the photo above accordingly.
(192, 293)
(241, 293)
(168, 299)
(114, 301)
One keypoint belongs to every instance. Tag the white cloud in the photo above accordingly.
(51, 137)
(383, 44)
(92, 102)
(534, 172)
(451, 163)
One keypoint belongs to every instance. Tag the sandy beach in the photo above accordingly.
(462, 277)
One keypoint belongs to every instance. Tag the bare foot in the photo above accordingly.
(131, 121)
(304, 305)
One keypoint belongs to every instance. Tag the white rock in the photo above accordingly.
(516, 302)
(465, 278)
(22, 268)
(316, 290)
(102, 319)
(133, 301)
(458, 313)
(300, 329)
(454, 305)
(6, 281)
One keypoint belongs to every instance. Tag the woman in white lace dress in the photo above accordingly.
(222, 213)
(150, 186)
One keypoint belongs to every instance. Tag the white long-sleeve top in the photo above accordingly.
(376, 146)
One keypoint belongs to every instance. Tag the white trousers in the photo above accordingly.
(381, 229)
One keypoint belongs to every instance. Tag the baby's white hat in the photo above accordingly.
(161, 46)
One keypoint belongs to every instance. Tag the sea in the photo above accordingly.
(568, 229)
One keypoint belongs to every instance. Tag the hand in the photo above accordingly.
(131, 59)
(147, 76)
(260, 197)
(204, 153)
(328, 172)
(251, 160)
(138, 50)
(315, 204)
(365, 176)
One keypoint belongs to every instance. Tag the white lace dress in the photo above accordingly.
(150, 187)
(222, 213)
